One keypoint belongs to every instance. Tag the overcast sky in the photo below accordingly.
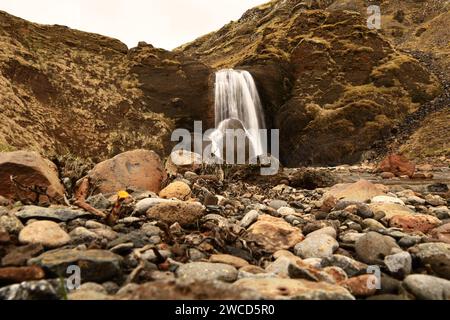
(163, 23)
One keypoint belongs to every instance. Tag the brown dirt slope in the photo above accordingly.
(64, 91)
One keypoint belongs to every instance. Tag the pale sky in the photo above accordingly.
(162, 23)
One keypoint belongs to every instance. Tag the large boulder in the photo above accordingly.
(54, 101)
(398, 165)
(141, 169)
(28, 177)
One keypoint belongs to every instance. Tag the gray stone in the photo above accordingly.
(277, 204)
(203, 271)
(436, 255)
(316, 246)
(99, 201)
(399, 263)
(425, 287)
(63, 214)
(150, 230)
(249, 218)
(96, 265)
(373, 247)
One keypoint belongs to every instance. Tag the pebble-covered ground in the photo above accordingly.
(224, 236)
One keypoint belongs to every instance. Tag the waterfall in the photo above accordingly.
(238, 106)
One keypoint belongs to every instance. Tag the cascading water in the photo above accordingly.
(238, 106)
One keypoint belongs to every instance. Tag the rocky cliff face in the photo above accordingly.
(64, 91)
(330, 84)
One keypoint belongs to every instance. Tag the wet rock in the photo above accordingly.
(361, 286)
(249, 218)
(184, 213)
(274, 234)
(425, 287)
(204, 271)
(373, 247)
(11, 224)
(20, 255)
(33, 290)
(399, 263)
(316, 246)
(177, 189)
(182, 162)
(47, 233)
(228, 259)
(398, 165)
(436, 255)
(21, 274)
(418, 222)
(349, 265)
(441, 234)
(291, 289)
(30, 170)
(63, 214)
(140, 169)
(95, 265)
(361, 191)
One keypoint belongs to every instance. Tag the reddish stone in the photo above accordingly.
(361, 286)
(398, 165)
(31, 172)
(418, 222)
(21, 274)
(141, 169)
